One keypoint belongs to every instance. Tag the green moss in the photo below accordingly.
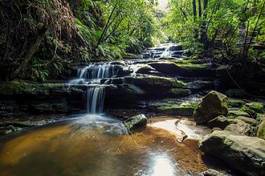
(256, 106)
(179, 84)
(191, 64)
(236, 113)
(23, 87)
(180, 92)
(235, 103)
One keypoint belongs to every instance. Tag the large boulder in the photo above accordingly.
(212, 105)
(243, 153)
(135, 123)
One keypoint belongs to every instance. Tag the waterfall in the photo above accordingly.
(95, 99)
(96, 71)
(91, 76)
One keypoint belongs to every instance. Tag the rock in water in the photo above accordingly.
(220, 122)
(135, 123)
(212, 105)
(243, 153)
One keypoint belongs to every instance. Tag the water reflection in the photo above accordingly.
(162, 165)
(76, 148)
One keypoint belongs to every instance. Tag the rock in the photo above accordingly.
(220, 122)
(255, 106)
(240, 128)
(173, 108)
(165, 67)
(135, 123)
(186, 68)
(247, 120)
(243, 153)
(150, 82)
(145, 70)
(261, 130)
(235, 103)
(212, 105)
(233, 113)
(212, 172)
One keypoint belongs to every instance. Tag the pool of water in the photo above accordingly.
(96, 145)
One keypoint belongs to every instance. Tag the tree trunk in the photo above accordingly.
(200, 8)
(29, 54)
(194, 9)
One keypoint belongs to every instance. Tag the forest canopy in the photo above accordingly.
(234, 28)
(39, 38)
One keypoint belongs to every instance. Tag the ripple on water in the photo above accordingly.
(72, 149)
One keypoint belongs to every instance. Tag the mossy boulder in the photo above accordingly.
(261, 130)
(150, 82)
(136, 123)
(220, 122)
(235, 103)
(183, 68)
(235, 112)
(211, 106)
(173, 107)
(243, 153)
(257, 107)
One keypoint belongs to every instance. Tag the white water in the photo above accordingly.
(97, 71)
(95, 99)
(91, 76)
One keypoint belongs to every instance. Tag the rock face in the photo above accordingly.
(135, 123)
(243, 153)
(212, 105)
(27, 97)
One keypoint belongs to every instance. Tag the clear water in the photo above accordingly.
(96, 145)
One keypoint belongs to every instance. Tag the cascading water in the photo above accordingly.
(91, 76)
(95, 99)
(96, 71)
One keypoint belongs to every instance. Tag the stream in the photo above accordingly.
(98, 144)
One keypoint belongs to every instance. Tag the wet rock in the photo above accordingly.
(146, 70)
(212, 105)
(41, 98)
(150, 82)
(220, 122)
(212, 172)
(186, 68)
(261, 130)
(233, 113)
(135, 123)
(243, 153)
(235, 103)
(165, 67)
(248, 120)
(255, 106)
(240, 128)
(173, 107)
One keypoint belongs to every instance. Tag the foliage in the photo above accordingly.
(232, 27)
(39, 39)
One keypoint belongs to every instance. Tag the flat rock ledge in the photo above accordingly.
(242, 153)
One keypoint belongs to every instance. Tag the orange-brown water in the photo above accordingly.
(74, 150)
